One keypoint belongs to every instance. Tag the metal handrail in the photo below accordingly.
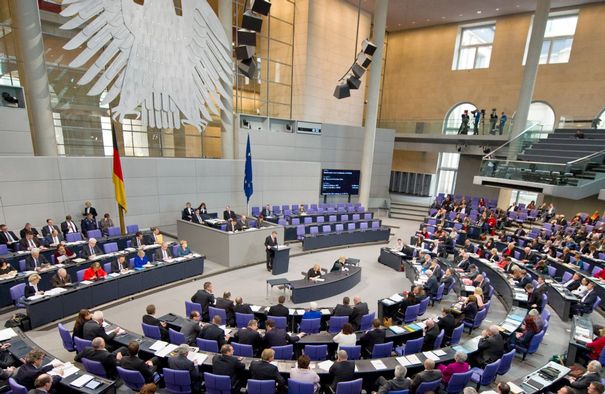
(527, 129)
(529, 162)
(576, 161)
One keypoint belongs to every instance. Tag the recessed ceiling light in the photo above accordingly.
(478, 12)
(443, 17)
(428, 19)
(518, 6)
(413, 22)
(399, 24)
(497, 9)
(460, 14)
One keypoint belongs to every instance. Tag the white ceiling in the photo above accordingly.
(412, 14)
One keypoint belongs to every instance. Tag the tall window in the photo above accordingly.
(447, 172)
(543, 114)
(558, 38)
(474, 47)
(453, 118)
(523, 197)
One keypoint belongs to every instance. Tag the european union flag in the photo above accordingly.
(248, 189)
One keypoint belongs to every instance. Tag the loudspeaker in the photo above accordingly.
(261, 7)
(363, 60)
(368, 47)
(243, 52)
(353, 82)
(250, 21)
(357, 70)
(246, 37)
(342, 90)
(248, 67)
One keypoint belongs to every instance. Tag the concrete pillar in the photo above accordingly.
(32, 73)
(531, 66)
(367, 160)
(504, 198)
(225, 14)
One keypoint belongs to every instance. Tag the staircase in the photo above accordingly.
(414, 210)
(562, 147)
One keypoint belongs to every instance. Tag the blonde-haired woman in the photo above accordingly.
(31, 288)
(88, 208)
(183, 249)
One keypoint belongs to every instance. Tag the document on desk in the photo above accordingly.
(469, 288)
(412, 358)
(255, 308)
(439, 353)
(319, 280)
(403, 361)
(81, 381)
(86, 282)
(325, 311)
(197, 358)
(158, 345)
(388, 302)
(378, 364)
(55, 291)
(166, 350)
(396, 297)
(431, 356)
(67, 368)
(7, 333)
(292, 312)
(35, 297)
(325, 365)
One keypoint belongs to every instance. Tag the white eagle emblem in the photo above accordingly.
(166, 68)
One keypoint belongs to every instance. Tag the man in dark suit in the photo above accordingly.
(279, 309)
(28, 372)
(270, 242)
(54, 238)
(187, 213)
(29, 242)
(180, 362)
(204, 298)
(227, 365)
(229, 214)
(586, 303)
(342, 370)
(372, 337)
(360, 309)
(48, 229)
(534, 299)
(266, 211)
(240, 307)
(42, 384)
(278, 336)
(134, 363)
(212, 332)
(263, 369)
(8, 237)
(191, 328)
(431, 332)
(432, 284)
(88, 223)
(163, 253)
(68, 226)
(399, 381)
(91, 249)
(226, 304)
(94, 329)
(120, 264)
(61, 278)
(150, 319)
(573, 283)
(197, 217)
(250, 336)
(490, 347)
(98, 353)
(447, 323)
(35, 261)
(428, 375)
(592, 374)
(233, 225)
(482, 284)
(343, 309)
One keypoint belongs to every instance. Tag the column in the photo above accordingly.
(367, 160)
(531, 66)
(32, 73)
(225, 14)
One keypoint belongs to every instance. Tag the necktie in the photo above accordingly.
(55, 240)
(31, 243)
(71, 226)
(36, 263)
(138, 242)
(164, 254)
(9, 237)
(50, 229)
(92, 251)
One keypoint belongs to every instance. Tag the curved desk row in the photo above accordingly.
(328, 240)
(291, 230)
(21, 345)
(81, 295)
(333, 283)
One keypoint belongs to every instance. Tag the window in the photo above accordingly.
(522, 197)
(453, 119)
(474, 47)
(543, 114)
(447, 172)
(135, 138)
(558, 38)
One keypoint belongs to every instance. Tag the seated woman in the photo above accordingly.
(7, 270)
(302, 373)
(301, 209)
(83, 316)
(582, 289)
(183, 250)
(493, 256)
(470, 308)
(314, 272)
(411, 298)
(94, 272)
(346, 336)
(458, 366)
(528, 329)
(140, 259)
(505, 264)
(63, 254)
(596, 346)
(31, 288)
(448, 280)
(313, 312)
(541, 267)
(339, 264)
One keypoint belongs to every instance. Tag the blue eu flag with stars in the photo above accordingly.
(248, 189)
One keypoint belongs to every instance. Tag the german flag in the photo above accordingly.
(118, 179)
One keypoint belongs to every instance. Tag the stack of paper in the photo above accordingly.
(35, 297)
(7, 333)
(325, 365)
(325, 312)
(403, 361)
(291, 312)
(397, 329)
(439, 353)
(431, 356)
(81, 381)
(396, 297)
(378, 364)
(413, 359)
(255, 308)
(197, 358)
(55, 291)
(158, 345)
(166, 350)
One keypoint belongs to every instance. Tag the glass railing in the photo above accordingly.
(517, 145)
(441, 127)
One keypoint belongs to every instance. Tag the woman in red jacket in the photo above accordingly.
(596, 346)
(95, 272)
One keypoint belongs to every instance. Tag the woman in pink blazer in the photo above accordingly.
(459, 365)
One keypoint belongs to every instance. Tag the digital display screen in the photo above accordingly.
(340, 182)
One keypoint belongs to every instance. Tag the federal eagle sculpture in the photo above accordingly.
(166, 68)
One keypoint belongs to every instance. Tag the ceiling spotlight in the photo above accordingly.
(497, 9)
(352, 79)
(478, 12)
(342, 90)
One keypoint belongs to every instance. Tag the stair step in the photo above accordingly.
(406, 217)
(411, 209)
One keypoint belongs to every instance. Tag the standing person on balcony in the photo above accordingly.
(503, 119)
(464, 125)
(476, 119)
(493, 119)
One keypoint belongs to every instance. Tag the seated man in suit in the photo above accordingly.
(213, 332)
(266, 211)
(54, 238)
(120, 265)
(32, 368)
(132, 362)
(138, 241)
(250, 336)
(233, 225)
(68, 226)
(429, 374)
(226, 304)
(372, 337)
(42, 384)
(447, 323)
(228, 365)
(49, 228)
(149, 318)
(263, 369)
(432, 284)
(36, 261)
(61, 278)
(279, 309)
(343, 309)
(342, 370)
(163, 253)
(278, 336)
(431, 332)
(399, 382)
(8, 237)
(89, 223)
(205, 298)
(229, 214)
(359, 310)
(534, 299)
(28, 228)
(192, 328)
(187, 213)
(490, 347)
(91, 250)
(30, 242)
(586, 303)
(574, 282)
(98, 353)
(180, 362)
(240, 307)
(93, 328)
(197, 217)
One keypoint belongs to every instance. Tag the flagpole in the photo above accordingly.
(122, 223)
